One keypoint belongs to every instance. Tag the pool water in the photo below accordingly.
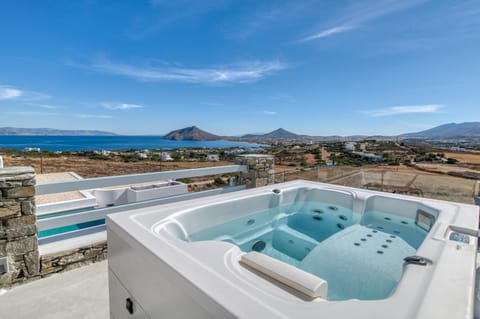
(69, 228)
(360, 256)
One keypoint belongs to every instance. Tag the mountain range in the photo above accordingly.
(193, 133)
(445, 131)
(51, 132)
(450, 130)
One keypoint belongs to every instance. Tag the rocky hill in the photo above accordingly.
(191, 133)
(278, 134)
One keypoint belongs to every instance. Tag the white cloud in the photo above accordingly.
(243, 73)
(83, 116)
(328, 32)
(12, 93)
(407, 109)
(267, 112)
(121, 106)
(360, 13)
(9, 93)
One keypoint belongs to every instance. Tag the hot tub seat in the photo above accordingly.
(358, 263)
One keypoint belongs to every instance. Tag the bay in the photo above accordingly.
(86, 143)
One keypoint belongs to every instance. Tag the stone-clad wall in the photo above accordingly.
(260, 170)
(18, 229)
(67, 260)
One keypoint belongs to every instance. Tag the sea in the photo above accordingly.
(119, 142)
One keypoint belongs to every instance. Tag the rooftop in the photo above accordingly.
(79, 293)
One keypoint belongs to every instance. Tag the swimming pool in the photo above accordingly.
(43, 234)
(297, 250)
(70, 228)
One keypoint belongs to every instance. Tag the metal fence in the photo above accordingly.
(392, 179)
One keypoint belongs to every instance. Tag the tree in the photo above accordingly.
(452, 160)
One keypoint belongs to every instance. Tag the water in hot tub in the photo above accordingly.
(360, 256)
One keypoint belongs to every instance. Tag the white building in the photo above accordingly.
(212, 158)
(141, 155)
(166, 156)
(369, 156)
(350, 146)
(102, 152)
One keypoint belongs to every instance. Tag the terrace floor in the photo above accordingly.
(79, 293)
(59, 197)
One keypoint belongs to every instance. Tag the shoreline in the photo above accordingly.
(113, 143)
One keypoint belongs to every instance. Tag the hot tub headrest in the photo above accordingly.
(297, 279)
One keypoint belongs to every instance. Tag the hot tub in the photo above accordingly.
(295, 250)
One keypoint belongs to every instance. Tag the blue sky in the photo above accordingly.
(235, 67)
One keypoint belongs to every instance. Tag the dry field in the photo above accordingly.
(310, 159)
(394, 179)
(445, 168)
(472, 158)
(418, 184)
(95, 168)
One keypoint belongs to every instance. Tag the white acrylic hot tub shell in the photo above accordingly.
(171, 278)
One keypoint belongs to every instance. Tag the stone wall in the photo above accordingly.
(18, 229)
(67, 260)
(260, 170)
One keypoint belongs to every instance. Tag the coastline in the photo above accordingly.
(110, 143)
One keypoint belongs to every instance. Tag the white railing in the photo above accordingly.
(99, 182)
(59, 220)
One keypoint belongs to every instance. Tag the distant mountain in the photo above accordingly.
(279, 134)
(191, 133)
(51, 132)
(450, 130)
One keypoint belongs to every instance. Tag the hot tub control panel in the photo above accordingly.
(463, 238)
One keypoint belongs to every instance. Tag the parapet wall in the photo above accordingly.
(260, 170)
(71, 259)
